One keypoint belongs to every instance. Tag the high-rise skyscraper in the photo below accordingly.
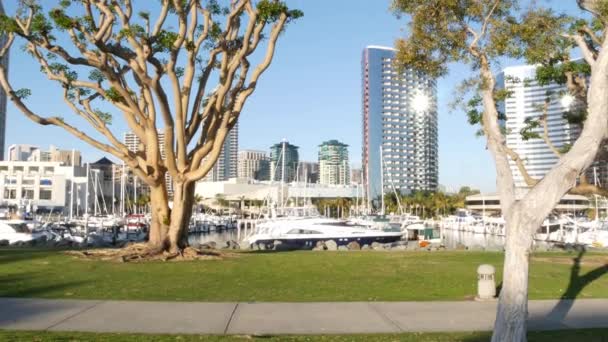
(3, 98)
(253, 165)
(226, 165)
(399, 118)
(308, 172)
(134, 144)
(333, 163)
(526, 103)
(284, 159)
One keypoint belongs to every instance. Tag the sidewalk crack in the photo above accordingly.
(74, 315)
(230, 319)
(384, 316)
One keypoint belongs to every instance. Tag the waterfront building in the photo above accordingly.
(105, 178)
(489, 204)
(41, 186)
(253, 164)
(523, 105)
(23, 152)
(236, 189)
(284, 158)
(3, 98)
(334, 166)
(399, 121)
(526, 103)
(226, 165)
(308, 172)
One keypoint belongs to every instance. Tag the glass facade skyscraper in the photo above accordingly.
(226, 165)
(399, 121)
(284, 157)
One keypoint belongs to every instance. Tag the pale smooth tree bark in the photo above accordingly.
(524, 216)
(156, 72)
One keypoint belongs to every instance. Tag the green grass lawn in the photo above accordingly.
(588, 335)
(291, 276)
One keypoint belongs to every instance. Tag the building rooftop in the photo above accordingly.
(379, 47)
(334, 143)
(103, 161)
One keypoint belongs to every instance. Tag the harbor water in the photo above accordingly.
(219, 237)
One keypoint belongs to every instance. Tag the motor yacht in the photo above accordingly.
(303, 233)
(16, 230)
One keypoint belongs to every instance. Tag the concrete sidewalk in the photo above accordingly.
(286, 318)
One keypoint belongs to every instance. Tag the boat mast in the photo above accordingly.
(595, 181)
(86, 199)
(366, 195)
(382, 180)
(122, 190)
(113, 190)
(283, 177)
(135, 194)
(297, 183)
(96, 203)
(72, 188)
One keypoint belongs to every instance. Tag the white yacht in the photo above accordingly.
(304, 233)
(15, 230)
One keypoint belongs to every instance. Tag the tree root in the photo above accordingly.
(141, 252)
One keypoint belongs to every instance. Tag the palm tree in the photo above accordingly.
(197, 201)
(221, 201)
(143, 201)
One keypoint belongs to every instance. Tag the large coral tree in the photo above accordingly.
(481, 34)
(183, 71)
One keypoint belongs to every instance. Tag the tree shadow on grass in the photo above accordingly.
(20, 305)
(26, 284)
(15, 254)
(576, 285)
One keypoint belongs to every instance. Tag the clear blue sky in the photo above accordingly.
(310, 94)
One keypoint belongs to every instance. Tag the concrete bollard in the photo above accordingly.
(486, 286)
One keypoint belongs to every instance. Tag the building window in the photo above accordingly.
(46, 182)
(27, 194)
(46, 194)
(10, 193)
(49, 170)
(17, 168)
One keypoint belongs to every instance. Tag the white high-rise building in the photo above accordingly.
(226, 165)
(334, 168)
(399, 121)
(526, 103)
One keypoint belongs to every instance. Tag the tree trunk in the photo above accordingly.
(160, 212)
(512, 312)
(183, 200)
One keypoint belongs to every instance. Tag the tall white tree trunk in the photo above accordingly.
(513, 302)
(525, 216)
